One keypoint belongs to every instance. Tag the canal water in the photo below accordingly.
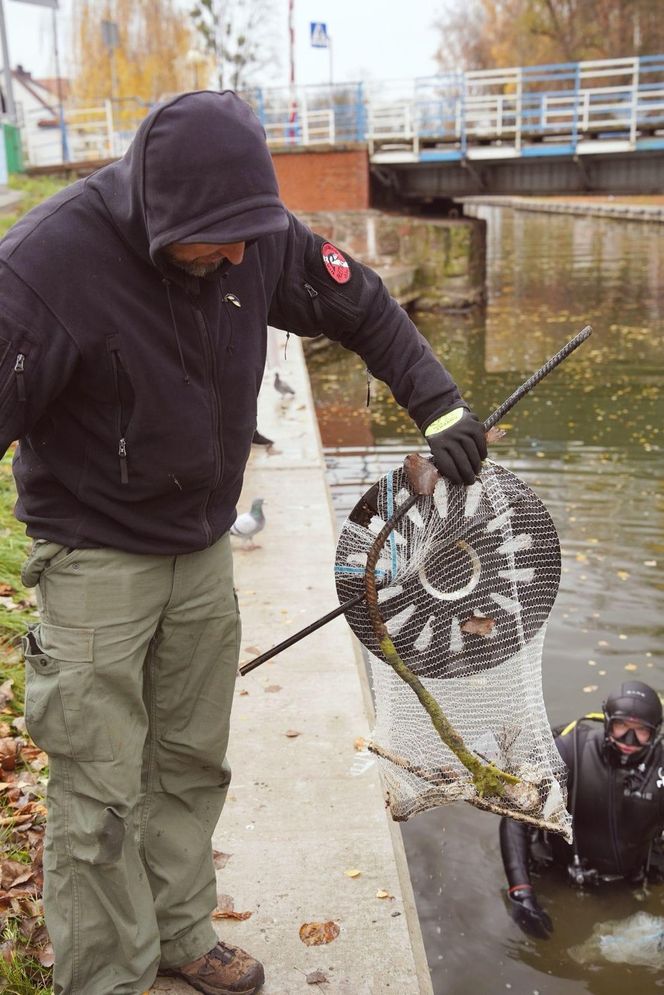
(590, 441)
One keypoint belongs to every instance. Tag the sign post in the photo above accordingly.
(321, 38)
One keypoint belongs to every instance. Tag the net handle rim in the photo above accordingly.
(497, 415)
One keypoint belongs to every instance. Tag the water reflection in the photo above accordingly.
(589, 440)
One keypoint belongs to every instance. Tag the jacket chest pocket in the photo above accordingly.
(64, 711)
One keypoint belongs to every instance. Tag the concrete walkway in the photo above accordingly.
(305, 805)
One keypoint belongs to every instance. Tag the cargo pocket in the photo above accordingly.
(64, 713)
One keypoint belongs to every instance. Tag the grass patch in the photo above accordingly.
(35, 189)
(25, 953)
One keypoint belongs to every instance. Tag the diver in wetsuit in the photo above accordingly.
(616, 800)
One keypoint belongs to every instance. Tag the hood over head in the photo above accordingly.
(198, 170)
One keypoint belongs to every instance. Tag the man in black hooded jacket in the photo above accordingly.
(615, 797)
(134, 307)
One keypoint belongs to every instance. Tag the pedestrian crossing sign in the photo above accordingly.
(318, 34)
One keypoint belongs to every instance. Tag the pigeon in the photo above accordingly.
(249, 524)
(262, 440)
(282, 388)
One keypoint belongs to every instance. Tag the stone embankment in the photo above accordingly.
(429, 263)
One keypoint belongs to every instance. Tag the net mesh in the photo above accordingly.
(466, 581)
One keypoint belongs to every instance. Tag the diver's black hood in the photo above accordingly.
(198, 170)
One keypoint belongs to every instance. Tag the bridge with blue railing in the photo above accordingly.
(595, 125)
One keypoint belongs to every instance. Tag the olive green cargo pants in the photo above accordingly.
(130, 678)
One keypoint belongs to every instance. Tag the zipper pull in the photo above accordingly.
(232, 299)
(315, 303)
(122, 453)
(19, 369)
(369, 379)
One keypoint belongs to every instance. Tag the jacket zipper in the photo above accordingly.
(217, 425)
(19, 370)
(18, 379)
(234, 300)
(122, 443)
(336, 303)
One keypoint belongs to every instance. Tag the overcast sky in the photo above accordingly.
(380, 39)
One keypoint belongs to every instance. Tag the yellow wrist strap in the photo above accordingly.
(445, 421)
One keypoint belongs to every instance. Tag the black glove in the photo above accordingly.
(528, 914)
(458, 445)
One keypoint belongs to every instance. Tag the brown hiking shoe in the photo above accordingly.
(223, 970)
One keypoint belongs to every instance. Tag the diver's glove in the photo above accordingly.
(458, 445)
(527, 913)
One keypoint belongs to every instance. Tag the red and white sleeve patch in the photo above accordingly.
(335, 263)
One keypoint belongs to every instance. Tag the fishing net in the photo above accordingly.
(466, 580)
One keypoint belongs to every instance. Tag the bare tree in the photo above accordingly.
(237, 34)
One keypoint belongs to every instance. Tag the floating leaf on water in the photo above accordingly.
(631, 666)
(589, 688)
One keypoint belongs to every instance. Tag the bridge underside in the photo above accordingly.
(422, 182)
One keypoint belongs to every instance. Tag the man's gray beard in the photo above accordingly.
(197, 269)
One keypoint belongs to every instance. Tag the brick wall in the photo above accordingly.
(323, 180)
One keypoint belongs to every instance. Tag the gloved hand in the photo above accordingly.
(528, 914)
(458, 445)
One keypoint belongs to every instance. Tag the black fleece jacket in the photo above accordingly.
(131, 385)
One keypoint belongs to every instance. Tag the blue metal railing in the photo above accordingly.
(546, 109)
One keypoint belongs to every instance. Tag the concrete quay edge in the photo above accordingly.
(306, 805)
(619, 211)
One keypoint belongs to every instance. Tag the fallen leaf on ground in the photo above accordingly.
(360, 743)
(631, 666)
(243, 693)
(383, 894)
(623, 574)
(271, 688)
(354, 873)
(251, 649)
(6, 589)
(316, 978)
(589, 688)
(220, 859)
(6, 693)
(230, 914)
(292, 733)
(225, 909)
(313, 934)
(10, 750)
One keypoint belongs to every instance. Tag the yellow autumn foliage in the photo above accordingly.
(148, 63)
